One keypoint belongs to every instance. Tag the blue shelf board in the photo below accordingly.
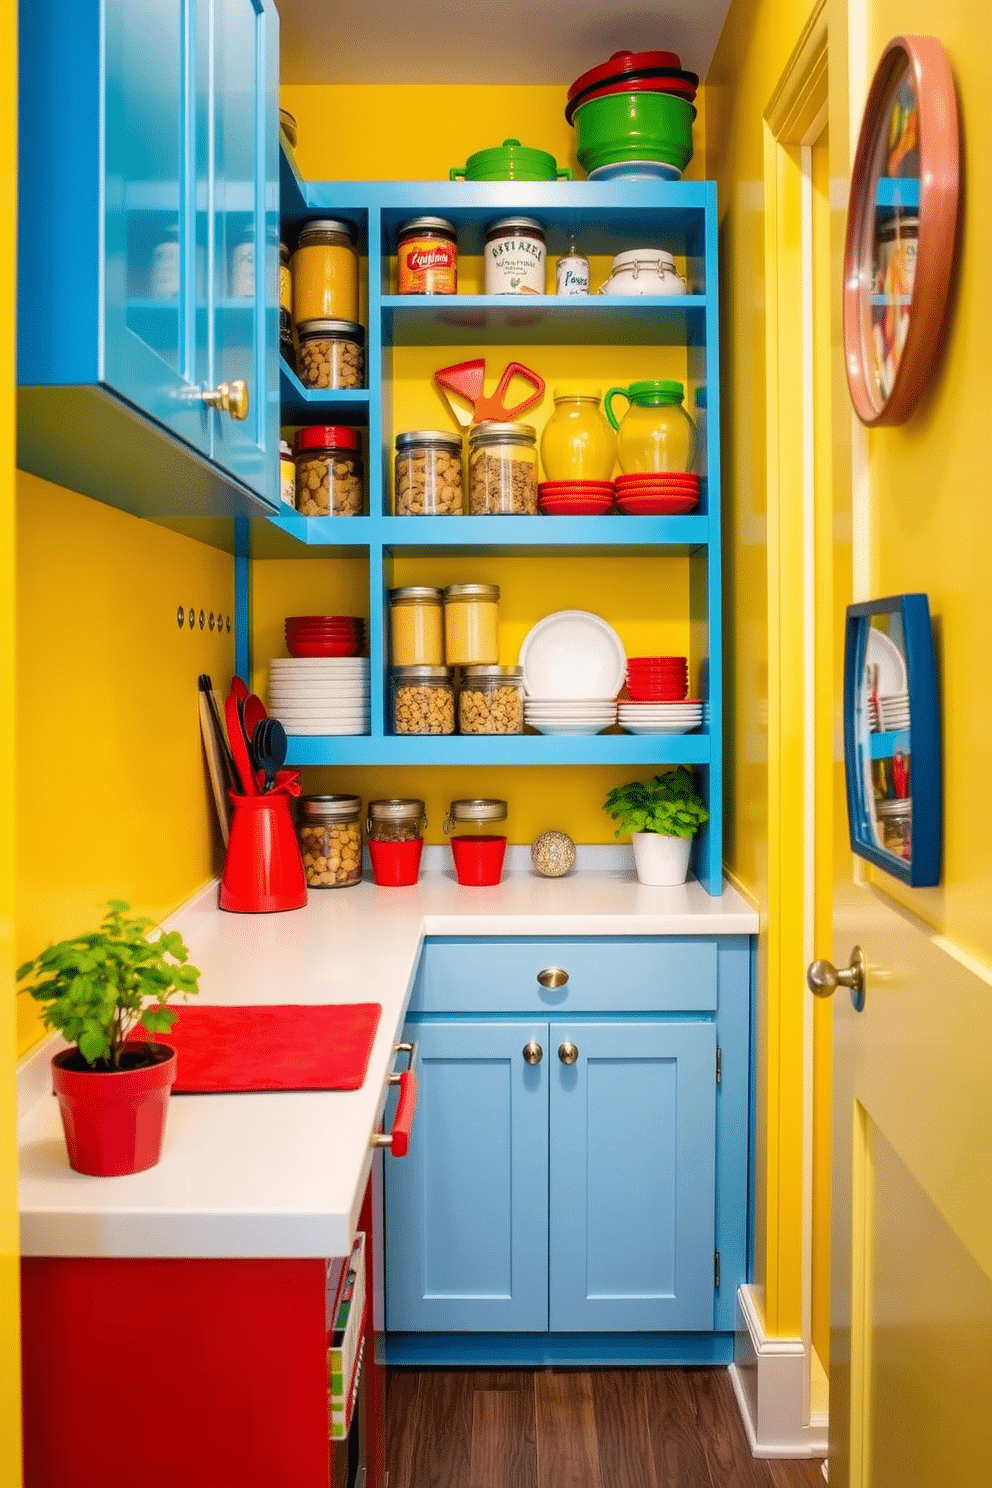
(586, 320)
(902, 192)
(502, 536)
(885, 746)
(516, 749)
(302, 405)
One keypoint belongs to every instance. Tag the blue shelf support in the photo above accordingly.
(242, 598)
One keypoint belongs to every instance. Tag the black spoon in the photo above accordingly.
(269, 748)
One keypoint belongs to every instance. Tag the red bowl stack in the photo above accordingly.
(325, 635)
(575, 498)
(669, 493)
(657, 679)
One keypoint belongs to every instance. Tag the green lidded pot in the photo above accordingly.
(655, 434)
(510, 161)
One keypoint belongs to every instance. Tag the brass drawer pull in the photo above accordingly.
(553, 977)
(568, 1052)
(229, 397)
(533, 1053)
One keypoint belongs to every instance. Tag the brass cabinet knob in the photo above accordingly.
(552, 977)
(823, 978)
(229, 397)
(567, 1052)
(533, 1053)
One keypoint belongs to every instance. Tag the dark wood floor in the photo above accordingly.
(573, 1428)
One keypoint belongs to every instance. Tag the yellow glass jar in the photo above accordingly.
(577, 443)
(471, 624)
(416, 635)
(656, 434)
(325, 272)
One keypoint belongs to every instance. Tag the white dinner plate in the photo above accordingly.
(301, 730)
(317, 695)
(568, 728)
(656, 728)
(572, 655)
(545, 711)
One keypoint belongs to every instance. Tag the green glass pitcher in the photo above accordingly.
(655, 434)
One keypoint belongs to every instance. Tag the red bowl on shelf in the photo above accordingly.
(676, 479)
(573, 488)
(575, 506)
(657, 506)
(657, 692)
(323, 648)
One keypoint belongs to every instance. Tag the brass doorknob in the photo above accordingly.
(567, 1052)
(533, 1053)
(823, 978)
(229, 397)
(552, 977)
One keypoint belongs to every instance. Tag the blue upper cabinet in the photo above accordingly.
(148, 252)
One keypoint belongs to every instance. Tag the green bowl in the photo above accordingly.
(634, 126)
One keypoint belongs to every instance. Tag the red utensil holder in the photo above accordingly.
(395, 865)
(478, 860)
(263, 870)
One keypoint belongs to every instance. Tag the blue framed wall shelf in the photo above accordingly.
(402, 332)
(892, 737)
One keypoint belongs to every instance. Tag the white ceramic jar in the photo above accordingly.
(644, 271)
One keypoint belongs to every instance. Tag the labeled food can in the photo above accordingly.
(427, 257)
(572, 275)
(515, 253)
(287, 474)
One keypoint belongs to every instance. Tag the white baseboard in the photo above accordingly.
(769, 1376)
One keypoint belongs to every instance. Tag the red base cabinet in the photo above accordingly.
(201, 1373)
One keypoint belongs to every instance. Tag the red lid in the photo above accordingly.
(620, 65)
(322, 436)
(678, 87)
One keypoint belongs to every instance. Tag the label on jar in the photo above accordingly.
(572, 276)
(285, 289)
(287, 481)
(515, 265)
(427, 266)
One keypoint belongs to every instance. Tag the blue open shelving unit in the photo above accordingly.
(680, 217)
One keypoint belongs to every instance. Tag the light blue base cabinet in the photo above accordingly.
(148, 252)
(585, 1211)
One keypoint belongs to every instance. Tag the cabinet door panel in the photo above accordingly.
(467, 1208)
(632, 1174)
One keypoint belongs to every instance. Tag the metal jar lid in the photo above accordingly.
(492, 432)
(478, 809)
(427, 224)
(312, 231)
(347, 328)
(331, 808)
(439, 437)
(472, 674)
(397, 809)
(440, 674)
(486, 593)
(528, 226)
(895, 810)
(415, 594)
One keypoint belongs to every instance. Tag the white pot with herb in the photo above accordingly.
(662, 818)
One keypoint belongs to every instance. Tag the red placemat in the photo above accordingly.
(273, 1047)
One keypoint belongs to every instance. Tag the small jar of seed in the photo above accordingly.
(329, 829)
(330, 354)
(491, 700)
(428, 474)
(329, 478)
(423, 700)
(502, 466)
(401, 819)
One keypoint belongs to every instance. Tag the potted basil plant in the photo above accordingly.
(95, 989)
(662, 817)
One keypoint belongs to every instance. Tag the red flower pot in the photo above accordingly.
(114, 1121)
(395, 865)
(478, 860)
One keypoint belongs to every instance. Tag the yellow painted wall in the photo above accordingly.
(10, 1408)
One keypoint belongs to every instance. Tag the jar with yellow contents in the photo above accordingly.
(656, 434)
(578, 443)
(325, 272)
(416, 634)
(471, 624)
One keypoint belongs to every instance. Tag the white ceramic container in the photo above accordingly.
(661, 861)
(644, 271)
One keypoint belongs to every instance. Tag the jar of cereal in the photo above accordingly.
(428, 474)
(491, 700)
(328, 472)
(502, 462)
(423, 700)
(331, 353)
(330, 834)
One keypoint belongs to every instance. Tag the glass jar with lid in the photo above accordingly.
(286, 307)
(331, 353)
(491, 700)
(502, 462)
(329, 829)
(287, 474)
(395, 830)
(514, 256)
(423, 700)
(655, 434)
(325, 272)
(428, 474)
(471, 624)
(427, 257)
(329, 477)
(577, 444)
(416, 627)
(477, 851)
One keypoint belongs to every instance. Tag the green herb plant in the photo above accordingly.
(668, 805)
(96, 987)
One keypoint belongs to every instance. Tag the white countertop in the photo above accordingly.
(283, 1174)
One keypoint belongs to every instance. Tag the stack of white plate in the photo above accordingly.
(320, 695)
(569, 715)
(661, 718)
(893, 711)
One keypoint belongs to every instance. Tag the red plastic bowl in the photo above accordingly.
(574, 488)
(624, 64)
(657, 506)
(649, 692)
(658, 478)
(324, 620)
(322, 648)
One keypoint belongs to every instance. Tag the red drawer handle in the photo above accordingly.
(405, 1108)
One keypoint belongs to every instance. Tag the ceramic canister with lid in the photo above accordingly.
(644, 271)
(514, 256)
(395, 829)
(477, 852)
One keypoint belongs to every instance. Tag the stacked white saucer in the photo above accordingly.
(661, 718)
(555, 715)
(320, 695)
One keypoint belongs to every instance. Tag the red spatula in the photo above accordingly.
(468, 380)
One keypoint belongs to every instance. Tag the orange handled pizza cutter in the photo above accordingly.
(468, 381)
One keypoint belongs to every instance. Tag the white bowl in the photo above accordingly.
(574, 656)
